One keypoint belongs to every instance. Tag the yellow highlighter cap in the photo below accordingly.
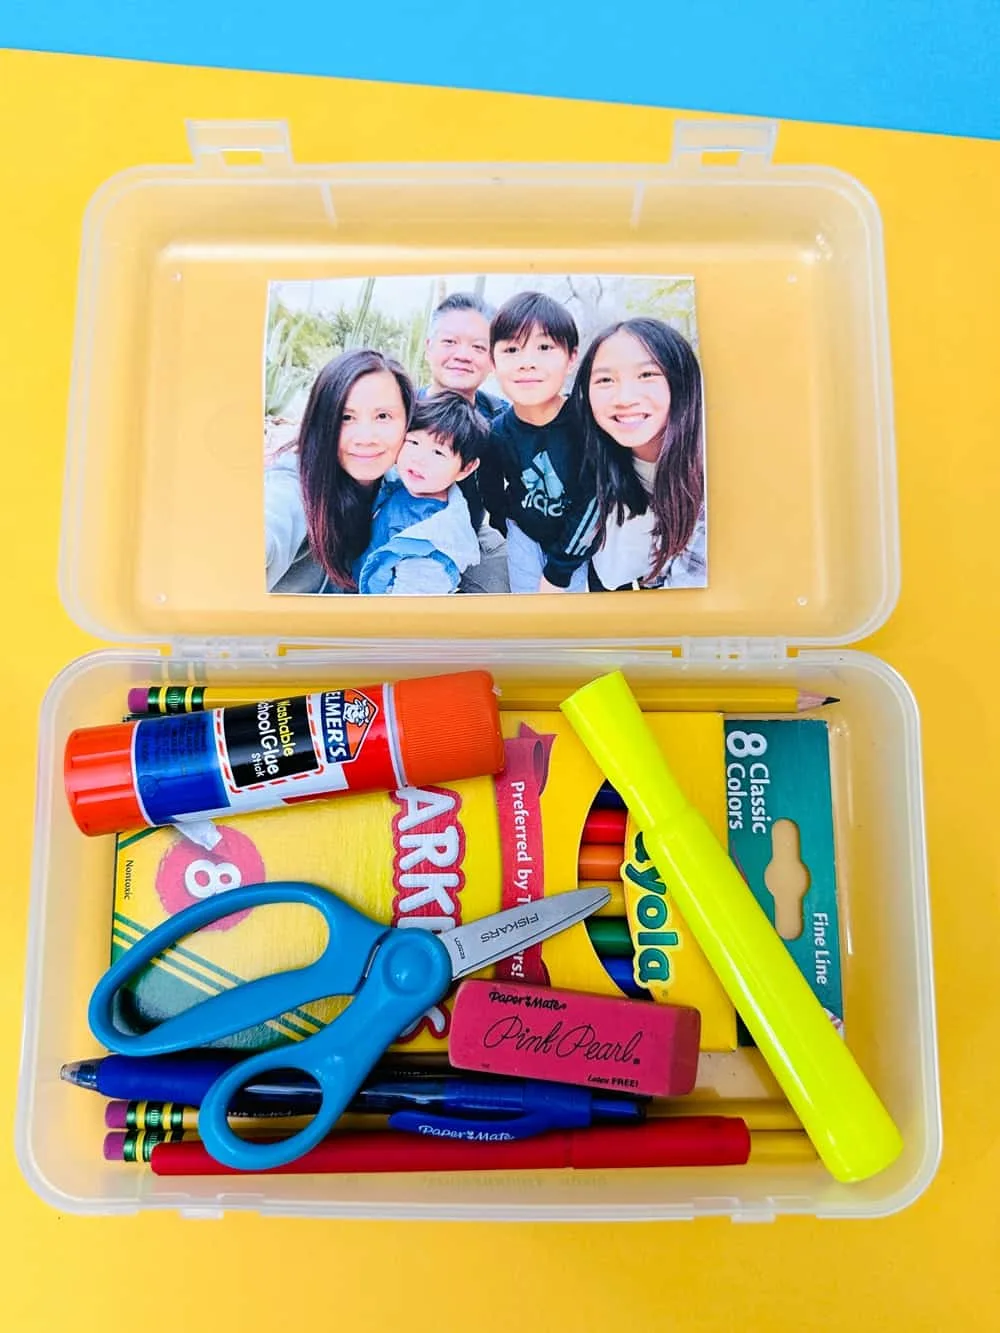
(606, 716)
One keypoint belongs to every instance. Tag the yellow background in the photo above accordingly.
(69, 123)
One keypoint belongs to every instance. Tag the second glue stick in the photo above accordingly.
(262, 755)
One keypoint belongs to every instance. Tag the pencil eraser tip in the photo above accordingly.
(114, 1115)
(114, 1147)
(137, 700)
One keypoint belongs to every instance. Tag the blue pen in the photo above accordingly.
(462, 1106)
(490, 1111)
(184, 1079)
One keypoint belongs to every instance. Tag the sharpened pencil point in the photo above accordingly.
(807, 702)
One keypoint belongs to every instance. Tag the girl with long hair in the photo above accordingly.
(637, 401)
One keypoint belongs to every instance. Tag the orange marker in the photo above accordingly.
(600, 861)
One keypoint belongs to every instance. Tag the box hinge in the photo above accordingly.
(736, 145)
(755, 1214)
(240, 145)
(733, 650)
(223, 650)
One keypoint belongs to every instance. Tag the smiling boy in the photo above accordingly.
(422, 538)
(534, 453)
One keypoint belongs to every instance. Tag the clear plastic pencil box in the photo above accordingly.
(159, 559)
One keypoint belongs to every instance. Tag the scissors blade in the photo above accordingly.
(491, 938)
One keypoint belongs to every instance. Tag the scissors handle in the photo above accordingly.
(394, 976)
(337, 971)
(409, 972)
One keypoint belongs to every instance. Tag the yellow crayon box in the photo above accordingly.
(424, 858)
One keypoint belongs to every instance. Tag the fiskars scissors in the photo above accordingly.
(394, 976)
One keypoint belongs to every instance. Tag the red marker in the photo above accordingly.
(605, 826)
(685, 1141)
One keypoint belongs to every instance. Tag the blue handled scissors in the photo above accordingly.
(394, 976)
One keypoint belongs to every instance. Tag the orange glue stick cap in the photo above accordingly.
(449, 727)
(100, 786)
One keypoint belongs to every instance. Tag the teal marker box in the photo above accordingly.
(780, 806)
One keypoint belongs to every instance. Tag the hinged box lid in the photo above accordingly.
(163, 523)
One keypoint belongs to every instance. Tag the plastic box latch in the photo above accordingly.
(723, 145)
(261, 146)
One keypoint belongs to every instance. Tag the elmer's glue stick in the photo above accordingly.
(258, 756)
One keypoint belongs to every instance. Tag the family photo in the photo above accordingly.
(483, 433)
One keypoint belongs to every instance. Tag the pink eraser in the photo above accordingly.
(563, 1036)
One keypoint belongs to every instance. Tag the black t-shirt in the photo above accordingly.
(531, 476)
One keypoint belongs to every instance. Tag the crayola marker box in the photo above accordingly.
(421, 858)
(667, 960)
(781, 837)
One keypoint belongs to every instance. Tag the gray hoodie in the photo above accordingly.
(291, 566)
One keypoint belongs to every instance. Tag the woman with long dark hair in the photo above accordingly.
(637, 401)
(319, 492)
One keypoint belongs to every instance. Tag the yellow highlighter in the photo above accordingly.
(852, 1132)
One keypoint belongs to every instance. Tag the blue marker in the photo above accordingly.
(608, 798)
(621, 973)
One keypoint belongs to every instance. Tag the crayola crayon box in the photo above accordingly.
(428, 858)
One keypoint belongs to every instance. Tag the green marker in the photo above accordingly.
(610, 937)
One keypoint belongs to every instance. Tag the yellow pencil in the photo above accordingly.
(780, 1149)
(166, 1117)
(158, 700)
(665, 698)
(758, 1114)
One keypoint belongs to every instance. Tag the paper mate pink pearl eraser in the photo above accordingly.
(569, 1037)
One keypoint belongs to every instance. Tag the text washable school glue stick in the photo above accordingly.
(257, 756)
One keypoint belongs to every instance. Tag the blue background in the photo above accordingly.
(905, 64)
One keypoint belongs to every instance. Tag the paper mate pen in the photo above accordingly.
(482, 1110)
(261, 755)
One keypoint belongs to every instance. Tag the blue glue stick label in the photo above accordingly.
(257, 756)
(176, 769)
